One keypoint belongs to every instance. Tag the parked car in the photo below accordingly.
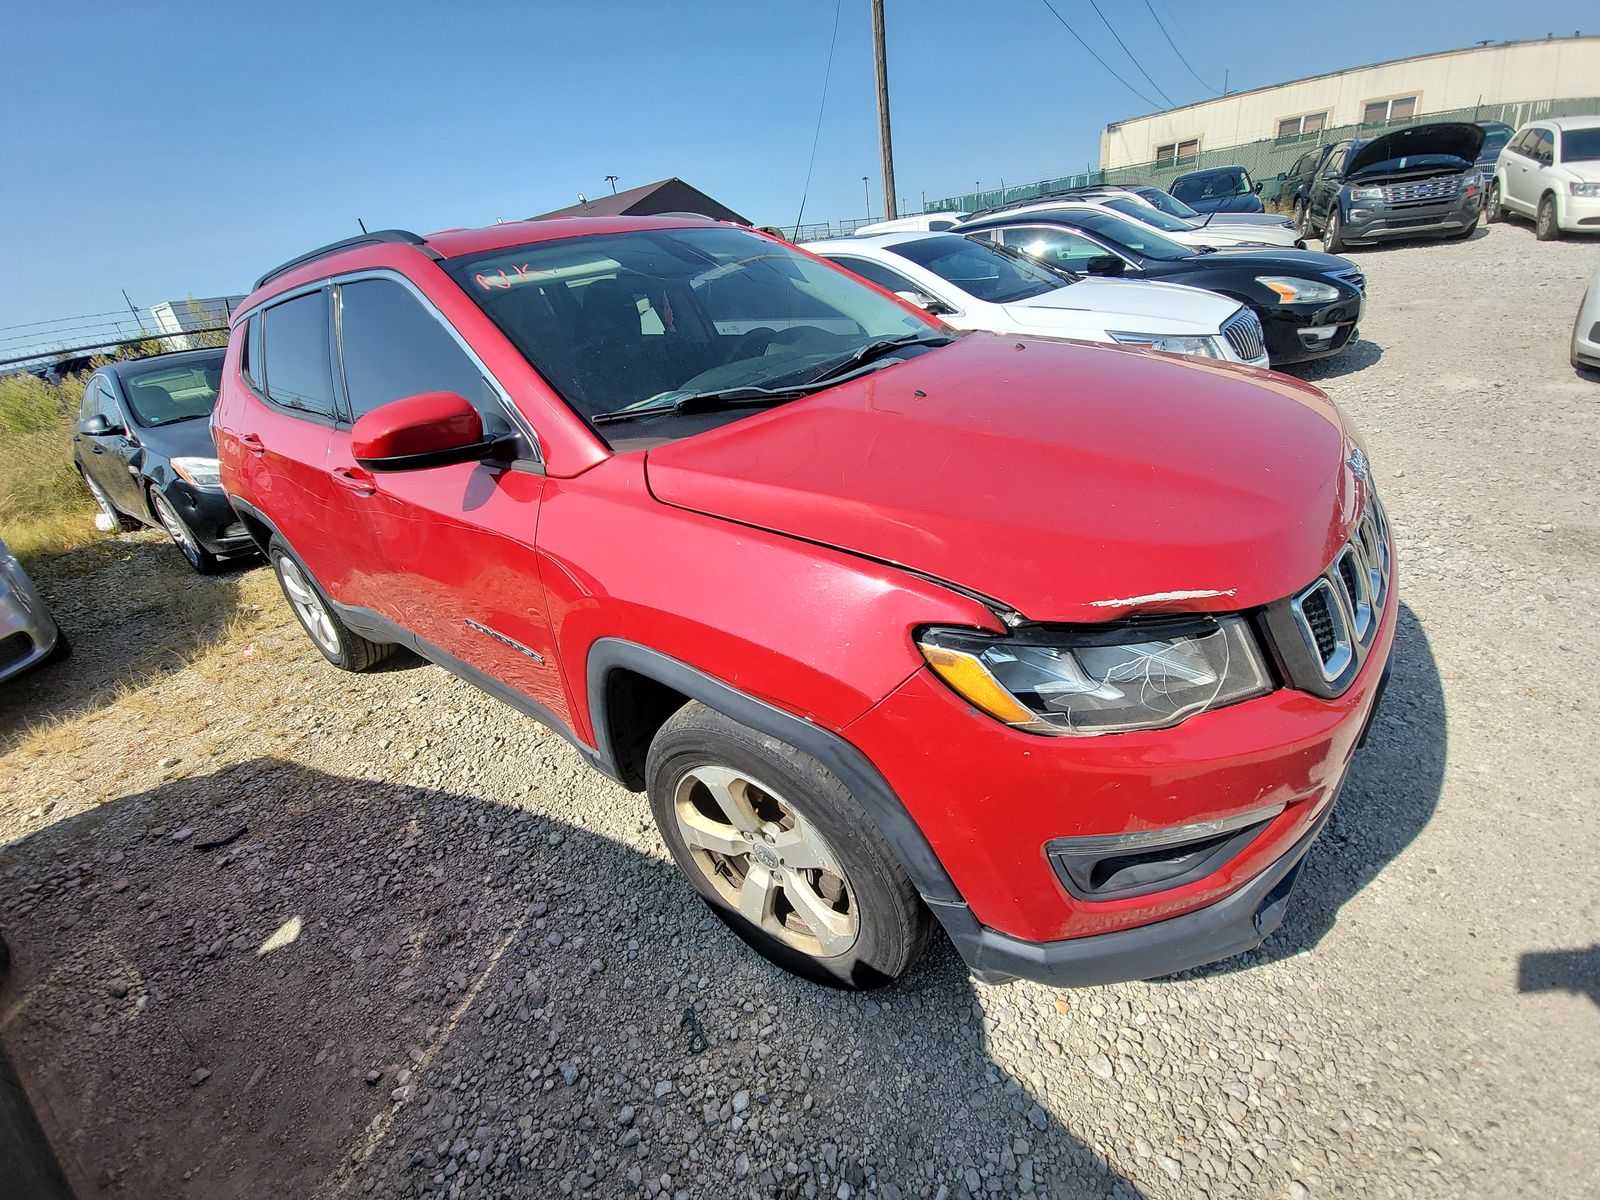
(1551, 172)
(927, 222)
(1173, 207)
(1420, 181)
(1195, 234)
(1294, 187)
(1586, 329)
(1218, 189)
(29, 635)
(143, 444)
(1496, 134)
(971, 284)
(1309, 304)
(893, 624)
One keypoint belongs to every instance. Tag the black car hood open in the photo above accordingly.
(1458, 138)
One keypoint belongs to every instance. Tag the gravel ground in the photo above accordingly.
(279, 930)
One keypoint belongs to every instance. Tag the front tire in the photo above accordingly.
(1302, 220)
(107, 518)
(1493, 213)
(782, 852)
(1333, 236)
(202, 560)
(340, 644)
(1544, 225)
(1464, 234)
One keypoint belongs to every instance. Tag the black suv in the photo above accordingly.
(1420, 181)
(144, 447)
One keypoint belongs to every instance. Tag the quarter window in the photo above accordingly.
(1399, 108)
(392, 347)
(295, 334)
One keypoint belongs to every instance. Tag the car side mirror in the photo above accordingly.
(100, 425)
(926, 303)
(1105, 264)
(1257, 188)
(433, 429)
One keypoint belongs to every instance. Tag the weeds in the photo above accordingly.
(44, 507)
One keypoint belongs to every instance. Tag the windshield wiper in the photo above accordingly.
(712, 400)
(876, 350)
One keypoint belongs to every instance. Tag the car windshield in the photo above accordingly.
(1580, 145)
(1494, 143)
(1126, 235)
(1168, 203)
(166, 393)
(1144, 214)
(1215, 185)
(1411, 162)
(629, 320)
(981, 270)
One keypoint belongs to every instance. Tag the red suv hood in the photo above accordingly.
(1071, 483)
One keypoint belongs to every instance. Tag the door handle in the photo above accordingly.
(354, 479)
(252, 443)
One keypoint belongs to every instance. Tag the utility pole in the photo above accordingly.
(612, 180)
(890, 210)
(867, 191)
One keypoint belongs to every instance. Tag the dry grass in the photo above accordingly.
(44, 507)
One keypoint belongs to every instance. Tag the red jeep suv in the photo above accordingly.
(1066, 648)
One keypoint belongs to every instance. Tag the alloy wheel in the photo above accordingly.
(1547, 219)
(766, 860)
(307, 604)
(106, 520)
(182, 536)
(1491, 204)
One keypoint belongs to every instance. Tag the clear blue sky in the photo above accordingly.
(181, 149)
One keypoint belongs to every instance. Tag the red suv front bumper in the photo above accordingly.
(990, 800)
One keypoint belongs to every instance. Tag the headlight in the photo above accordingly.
(1106, 681)
(1366, 193)
(1298, 291)
(1172, 343)
(201, 472)
(1591, 190)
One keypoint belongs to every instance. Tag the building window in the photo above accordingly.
(1397, 108)
(1301, 126)
(1174, 153)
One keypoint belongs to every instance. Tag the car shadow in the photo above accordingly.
(1388, 798)
(1576, 971)
(275, 981)
(1347, 362)
(130, 607)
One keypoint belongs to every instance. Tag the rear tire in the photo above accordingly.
(340, 644)
(1332, 237)
(1493, 213)
(1544, 225)
(782, 852)
(1302, 220)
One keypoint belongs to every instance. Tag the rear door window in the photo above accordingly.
(393, 347)
(299, 374)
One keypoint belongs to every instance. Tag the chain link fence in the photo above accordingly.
(1266, 160)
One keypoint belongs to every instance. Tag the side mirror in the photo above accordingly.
(1105, 264)
(1257, 188)
(433, 429)
(100, 425)
(926, 303)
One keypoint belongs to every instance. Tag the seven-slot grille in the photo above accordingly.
(1423, 191)
(1338, 614)
(1243, 331)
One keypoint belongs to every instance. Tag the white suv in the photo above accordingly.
(975, 285)
(1550, 171)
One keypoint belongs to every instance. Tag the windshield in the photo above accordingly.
(615, 320)
(1494, 143)
(165, 393)
(1580, 145)
(1412, 162)
(1149, 216)
(980, 269)
(1136, 239)
(1168, 204)
(1214, 185)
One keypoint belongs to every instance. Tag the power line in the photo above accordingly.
(1162, 26)
(827, 74)
(1095, 4)
(1095, 56)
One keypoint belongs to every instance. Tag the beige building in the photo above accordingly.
(1405, 88)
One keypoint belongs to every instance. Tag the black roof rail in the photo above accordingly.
(403, 236)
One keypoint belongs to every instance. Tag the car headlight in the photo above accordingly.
(1366, 193)
(1111, 680)
(1590, 190)
(1172, 343)
(1298, 291)
(201, 472)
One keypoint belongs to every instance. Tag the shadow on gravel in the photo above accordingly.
(1355, 358)
(130, 607)
(1389, 797)
(1576, 971)
(274, 981)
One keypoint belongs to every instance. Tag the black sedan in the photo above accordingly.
(1309, 304)
(144, 447)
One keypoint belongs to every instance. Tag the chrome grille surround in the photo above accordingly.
(1244, 334)
(1428, 191)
